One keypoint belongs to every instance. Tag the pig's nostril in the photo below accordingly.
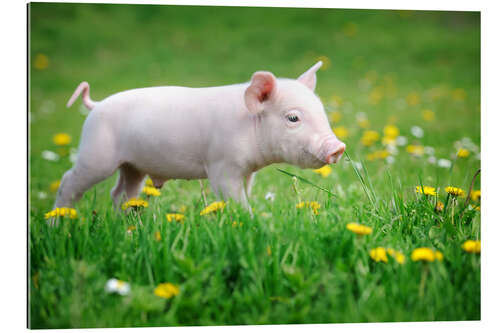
(336, 155)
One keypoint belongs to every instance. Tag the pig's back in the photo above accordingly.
(171, 128)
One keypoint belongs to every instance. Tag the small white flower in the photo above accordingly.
(429, 150)
(444, 163)
(401, 140)
(42, 195)
(73, 154)
(270, 196)
(393, 150)
(117, 286)
(390, 159)
(50, 155)
(431, 160)
(417, 131)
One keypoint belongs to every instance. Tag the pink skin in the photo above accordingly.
(222, 133)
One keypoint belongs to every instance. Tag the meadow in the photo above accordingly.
(401, 89)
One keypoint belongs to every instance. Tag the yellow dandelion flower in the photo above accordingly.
(341, 132)
(454, 191)
(377, 155)
(475, 195)
(324, 171)
(426, 254)
(427, 190)
(158, 236)
(314, 205)
(41, 61)
(166, 290)
(149, 182)
(378, 254)
(428, 115)
(174, 217)
(369, 138)
(381, 254)
(61, 139)
(463, 153)
(399, 257)
(439, 207)
(268, 249)
(472, 246)
(54, 186)
(415, 150)
(412, 99)
(359, 229)
(151, 191)
(335, 116)
(62, 212)
(391, 131)
(213, 207)
(134, 202)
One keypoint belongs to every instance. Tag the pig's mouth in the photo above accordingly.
(312, 160)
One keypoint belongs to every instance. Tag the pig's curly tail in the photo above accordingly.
(87, 101)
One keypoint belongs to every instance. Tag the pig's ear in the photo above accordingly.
(261, 89)
(309, 77)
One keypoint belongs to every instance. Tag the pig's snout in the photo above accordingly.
(333, 148)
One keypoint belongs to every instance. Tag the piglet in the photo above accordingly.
(223, 133)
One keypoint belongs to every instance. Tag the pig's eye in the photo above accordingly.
(293, 118)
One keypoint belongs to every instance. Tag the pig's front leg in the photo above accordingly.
(229, 185)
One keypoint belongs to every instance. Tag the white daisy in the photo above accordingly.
(270, 196)
(73, 154)
(117, 286)
(444, 163)
(401, 140)
(50, 155)
(417, 131)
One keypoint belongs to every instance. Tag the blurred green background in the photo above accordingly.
(405, 68)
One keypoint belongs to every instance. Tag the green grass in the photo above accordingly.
(285, 265)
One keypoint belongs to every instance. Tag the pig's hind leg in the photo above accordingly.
(97, 160)
(77, 181)
(129, 183)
